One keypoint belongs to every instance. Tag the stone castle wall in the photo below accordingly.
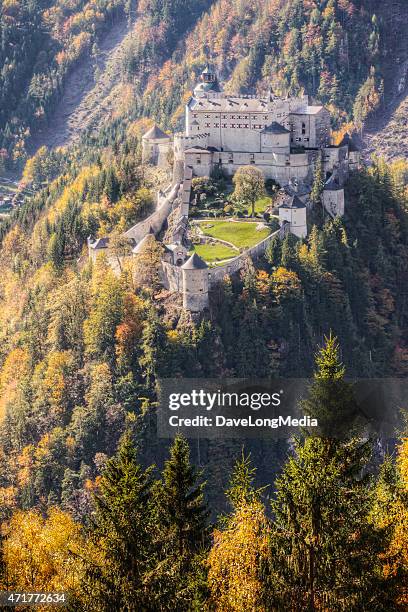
(156, 220)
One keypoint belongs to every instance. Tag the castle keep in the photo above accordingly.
(284, 138)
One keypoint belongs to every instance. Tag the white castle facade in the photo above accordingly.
(282, 137)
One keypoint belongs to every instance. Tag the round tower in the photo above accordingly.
(195, 284)
(155, 145)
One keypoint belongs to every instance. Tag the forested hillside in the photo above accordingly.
(81, 347)
(336, 50)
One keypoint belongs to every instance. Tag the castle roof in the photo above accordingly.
(174, 246)
(308, 110)
(275, 128)
(230, 104)
(194, 263)
(293, 202)
(155, 133)
(195, 122)
(100, 243)
(299, 189)
(139, 248)
(208, 86)
(348, 141)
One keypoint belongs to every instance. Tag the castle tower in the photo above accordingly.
(195, 284)
(293, 211)
(353, 151)
(155, 146)
(333, 196)
(208, 85)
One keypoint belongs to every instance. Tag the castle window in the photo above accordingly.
(246, 125)
(216, 125)
(207, 116)
(195, 115)
(232, 125)
(198, 160)
(224, 125)
(208, 125)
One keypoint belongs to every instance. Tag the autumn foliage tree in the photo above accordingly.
(249, 185)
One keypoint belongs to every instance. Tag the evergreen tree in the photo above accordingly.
(181, 536)
(154, 348)
(324, 549)
(180, 496)
(330, 398)
(121, 528)
(318, 181)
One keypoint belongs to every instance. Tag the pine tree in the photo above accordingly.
(154, 348)
(183, 512)
(121, 528)
(330, 398)
(318, 181)
(181, 532)
(324, 549)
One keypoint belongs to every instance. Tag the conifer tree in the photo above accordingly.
(181, 532)
(330, 398)
(154, 348)
(324, 549)
(180, 495)
(121, 528)
(318, 181)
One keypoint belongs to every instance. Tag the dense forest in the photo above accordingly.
(91, 501)
(329, 536)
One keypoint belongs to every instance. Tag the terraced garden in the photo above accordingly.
(241, 234)
(212, 253)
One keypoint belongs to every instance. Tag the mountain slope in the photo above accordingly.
(85, 92)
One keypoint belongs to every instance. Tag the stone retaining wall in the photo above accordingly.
(156, 220)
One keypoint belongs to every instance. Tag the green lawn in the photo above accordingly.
(241, 234)
(213, 252)
(262, 204)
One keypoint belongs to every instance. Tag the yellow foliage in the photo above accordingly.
(40, 553)
(56, 381)
(392, 512)
(234, 562)
(338, 135)
(139, 127)
(25, 462)
(286, 282)
(15, 367)
(72, 191)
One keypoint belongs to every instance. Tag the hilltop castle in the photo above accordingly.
(282, 137)
(285, 138)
